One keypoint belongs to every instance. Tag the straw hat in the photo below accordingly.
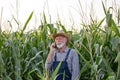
(61, 33)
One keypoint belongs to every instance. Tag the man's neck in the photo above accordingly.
(62, 49)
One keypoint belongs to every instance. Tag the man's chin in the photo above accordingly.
(60, 46)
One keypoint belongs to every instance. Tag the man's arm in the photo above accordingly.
(75, 66)
(49, 60)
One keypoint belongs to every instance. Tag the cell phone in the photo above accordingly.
(55, 46)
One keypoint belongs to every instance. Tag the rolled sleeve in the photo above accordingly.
(48, 65)
(75, 66)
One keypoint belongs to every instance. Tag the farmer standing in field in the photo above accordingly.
(59, 52)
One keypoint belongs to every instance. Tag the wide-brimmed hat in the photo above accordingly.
(61, 33)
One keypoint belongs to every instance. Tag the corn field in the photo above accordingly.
(23, 54)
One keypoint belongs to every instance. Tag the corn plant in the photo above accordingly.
(23, 55)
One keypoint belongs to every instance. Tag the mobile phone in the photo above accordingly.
(55, 46)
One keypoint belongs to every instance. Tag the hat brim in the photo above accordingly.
(61, 34)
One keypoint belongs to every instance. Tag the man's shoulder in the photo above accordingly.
(73, 51)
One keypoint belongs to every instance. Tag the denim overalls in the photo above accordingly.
(63, 72)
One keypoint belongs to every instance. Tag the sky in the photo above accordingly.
(69, 12)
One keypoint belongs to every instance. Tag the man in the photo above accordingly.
(68, 56)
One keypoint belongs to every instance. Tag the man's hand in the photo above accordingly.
(52, 50)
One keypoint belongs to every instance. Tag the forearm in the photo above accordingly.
(49, 60)
(48, 65)
(50, 56)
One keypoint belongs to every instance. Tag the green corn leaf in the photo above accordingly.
(115, 28)
(98, 25)
(109, 19)
(118, 58)
(26, 23)
(104, 8)
(56, 71)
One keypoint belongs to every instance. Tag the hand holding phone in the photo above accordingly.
(53, 47)
(52, 50)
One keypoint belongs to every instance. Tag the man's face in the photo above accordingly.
(60, 41)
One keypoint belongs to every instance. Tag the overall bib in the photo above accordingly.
(63, 72)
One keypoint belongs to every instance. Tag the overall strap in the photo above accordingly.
(67, 54)
(65, 57)
(55, 57)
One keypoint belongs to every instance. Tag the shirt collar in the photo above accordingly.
(66, 49)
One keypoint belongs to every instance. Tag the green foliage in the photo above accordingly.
(22, 57)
